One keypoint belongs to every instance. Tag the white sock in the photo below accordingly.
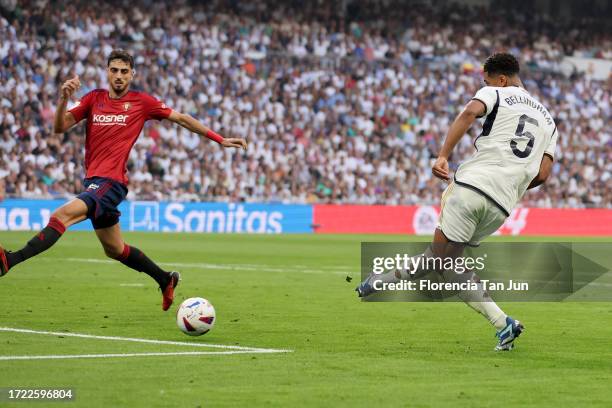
(491, 311)
(479, 299)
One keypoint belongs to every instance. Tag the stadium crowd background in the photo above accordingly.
(337, 107)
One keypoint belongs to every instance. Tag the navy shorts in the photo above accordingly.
(102, 197)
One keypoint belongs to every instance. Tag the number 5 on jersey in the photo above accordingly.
(520, 132)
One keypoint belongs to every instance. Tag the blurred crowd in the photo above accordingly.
(340, 106)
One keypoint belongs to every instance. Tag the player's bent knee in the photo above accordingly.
(113, 252)
(60, 215)
(71, 213)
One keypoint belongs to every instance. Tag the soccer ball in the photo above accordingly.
(195, 316)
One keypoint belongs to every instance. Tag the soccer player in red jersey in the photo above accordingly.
(115, 118)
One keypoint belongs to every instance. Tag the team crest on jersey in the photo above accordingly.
(126, 106)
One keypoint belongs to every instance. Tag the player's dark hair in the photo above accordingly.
(122, 55)
(502, 63)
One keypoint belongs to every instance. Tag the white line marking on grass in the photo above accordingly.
(132, 284)
(168, 342)
(230, 267)
(178, 353)
(269, 268)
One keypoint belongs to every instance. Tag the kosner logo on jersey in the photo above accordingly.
(110, 119)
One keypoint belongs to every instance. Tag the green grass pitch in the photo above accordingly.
(282, 292)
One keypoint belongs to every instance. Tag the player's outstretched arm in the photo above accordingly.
(193, 125)
(545, 170)
(65, 120)
(462, 123)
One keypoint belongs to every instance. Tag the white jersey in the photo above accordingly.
(517, 132)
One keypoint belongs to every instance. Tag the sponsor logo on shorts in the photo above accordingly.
(93, 186)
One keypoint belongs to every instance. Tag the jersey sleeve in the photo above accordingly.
(155, 109)
(82, 108)
(488, 97)
(552, 145)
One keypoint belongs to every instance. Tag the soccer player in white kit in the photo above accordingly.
(514, 153)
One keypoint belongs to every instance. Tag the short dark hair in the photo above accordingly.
(122, 55)
(502, 63)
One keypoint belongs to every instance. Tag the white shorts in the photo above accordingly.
(467, 216)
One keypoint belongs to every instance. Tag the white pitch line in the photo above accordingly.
(231, 267)
(174, 343)
(177, 353)
(257, 268)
